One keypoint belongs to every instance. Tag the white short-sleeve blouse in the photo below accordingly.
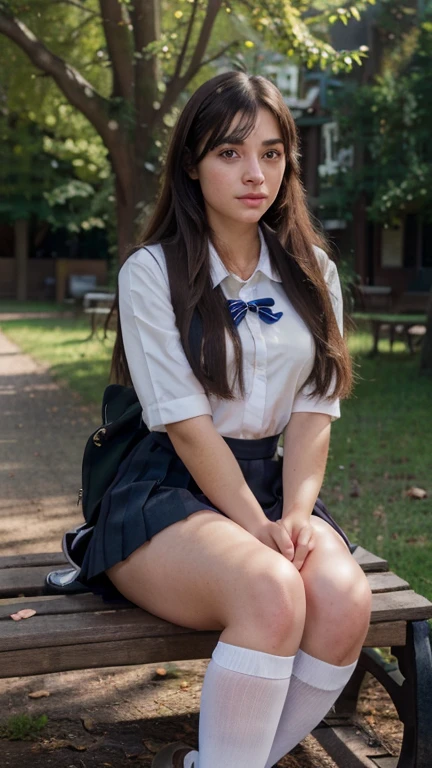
(277, 358)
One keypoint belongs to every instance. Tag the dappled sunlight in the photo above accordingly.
(36, 524)
(113, 694)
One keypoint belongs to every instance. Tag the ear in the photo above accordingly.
(187, 164)
(193, 173)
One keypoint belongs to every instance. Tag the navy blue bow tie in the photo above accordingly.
(238, 309)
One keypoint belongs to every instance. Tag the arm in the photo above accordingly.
(216, 471)
(306, 443)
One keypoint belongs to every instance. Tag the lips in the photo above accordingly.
(251, 196)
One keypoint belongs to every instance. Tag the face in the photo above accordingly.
(239, 182)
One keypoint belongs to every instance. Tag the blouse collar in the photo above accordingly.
(219, 271)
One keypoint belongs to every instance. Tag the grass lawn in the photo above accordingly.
(12, 305)
(380, 447)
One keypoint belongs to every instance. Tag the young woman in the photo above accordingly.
(231, 334)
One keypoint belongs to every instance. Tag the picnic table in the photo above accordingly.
(97, 304)
(407, 326)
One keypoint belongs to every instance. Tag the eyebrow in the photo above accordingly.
(265, 143)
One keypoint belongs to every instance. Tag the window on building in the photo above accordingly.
(392, 247)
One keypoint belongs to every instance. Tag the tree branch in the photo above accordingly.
(219, 53)
(213, 8)
(185, 45)
(119, 46)
(177, 84)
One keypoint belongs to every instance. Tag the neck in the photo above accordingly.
(238, 247)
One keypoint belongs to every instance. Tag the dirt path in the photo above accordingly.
(43, 429)
(110, 718)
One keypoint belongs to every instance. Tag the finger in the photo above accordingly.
(269, 540)
(304, 547)
(285, 542)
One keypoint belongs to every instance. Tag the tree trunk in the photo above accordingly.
(426, 353)
(134, 207)
(125, 221)
(21, 257)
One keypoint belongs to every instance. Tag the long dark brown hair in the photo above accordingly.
(180, 225)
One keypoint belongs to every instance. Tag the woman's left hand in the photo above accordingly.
(302, 535)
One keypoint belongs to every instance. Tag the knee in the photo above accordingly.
(343, 598)
(356, 597)
(276, 600)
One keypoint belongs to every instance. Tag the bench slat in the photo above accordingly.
(28, 581)
(23, 561)
(369, 561)
(386, 634)
(45, 631)
(107, 624)
(386, 582)
(49, 605)
(406, 604)
(143, 650)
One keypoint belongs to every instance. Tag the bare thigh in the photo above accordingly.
(199, 573)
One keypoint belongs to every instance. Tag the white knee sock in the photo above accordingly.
(241, 703)
(314, 688)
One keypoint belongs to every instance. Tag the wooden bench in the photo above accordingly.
(406, 326)
(97, 304)
(71, 632)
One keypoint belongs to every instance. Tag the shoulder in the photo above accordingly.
(328, 267)
(322, 258)
(146, 263)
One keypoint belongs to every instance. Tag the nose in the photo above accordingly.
(253, 172)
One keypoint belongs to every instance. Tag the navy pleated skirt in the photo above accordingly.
(153, 489)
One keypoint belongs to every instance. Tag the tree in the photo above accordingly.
(152, 65)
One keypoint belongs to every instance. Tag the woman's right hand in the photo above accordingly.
(275, 536)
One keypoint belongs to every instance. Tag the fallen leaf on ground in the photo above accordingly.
(88, 724)
(355, 489)
(161, 672)
(416, 493)
(39, 694)
(152, 746)
(25, 613)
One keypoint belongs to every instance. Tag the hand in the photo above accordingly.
(276, 536)
(302, 534)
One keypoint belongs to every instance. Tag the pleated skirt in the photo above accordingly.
(153, 489)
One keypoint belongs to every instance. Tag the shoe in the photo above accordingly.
(172, 756)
